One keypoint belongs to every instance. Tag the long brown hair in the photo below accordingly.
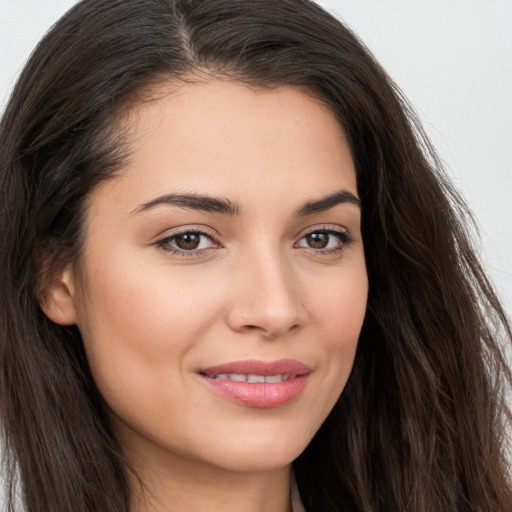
(421, 424)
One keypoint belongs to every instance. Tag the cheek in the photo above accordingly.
(341, 303)
(134, 321)
(340, 314)
(344, 311)
(131, 300)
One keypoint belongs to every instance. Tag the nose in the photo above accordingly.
(265, 298)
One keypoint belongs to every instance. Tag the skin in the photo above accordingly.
(254, 288)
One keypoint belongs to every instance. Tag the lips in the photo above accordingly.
(259, 384)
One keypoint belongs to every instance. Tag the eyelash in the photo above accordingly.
(164, 243)
(343, 235)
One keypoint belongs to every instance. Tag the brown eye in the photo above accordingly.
(325, 240)
(188, 241)
(318, 240)
(192, 242)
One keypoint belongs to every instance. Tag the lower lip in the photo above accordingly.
(261, 395)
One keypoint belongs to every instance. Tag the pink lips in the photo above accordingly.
(256, 383)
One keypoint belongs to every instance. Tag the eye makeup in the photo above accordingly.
(191, 241)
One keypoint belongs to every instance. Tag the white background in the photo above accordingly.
(453, 60)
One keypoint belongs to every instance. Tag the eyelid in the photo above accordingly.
(326, 228)
(343, 233)
(192, 228)
(163, 240)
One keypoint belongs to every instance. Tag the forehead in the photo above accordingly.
(224, 138)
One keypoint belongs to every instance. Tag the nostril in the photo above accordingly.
(269, 333)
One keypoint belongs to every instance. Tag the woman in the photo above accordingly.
(230, 252)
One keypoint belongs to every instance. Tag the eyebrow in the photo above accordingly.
(193, 202)
(224, 206)
(326, 203)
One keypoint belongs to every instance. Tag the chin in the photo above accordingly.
(261, 453)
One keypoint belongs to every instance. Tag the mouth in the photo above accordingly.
(252, 379)
(258, 384)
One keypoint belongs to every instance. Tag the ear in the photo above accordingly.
(58, 302)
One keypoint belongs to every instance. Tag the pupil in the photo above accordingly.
(188, 241)
(318, 240)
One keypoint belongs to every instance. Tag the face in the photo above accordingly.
(223, 285)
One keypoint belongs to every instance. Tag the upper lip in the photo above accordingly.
(257, 367)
